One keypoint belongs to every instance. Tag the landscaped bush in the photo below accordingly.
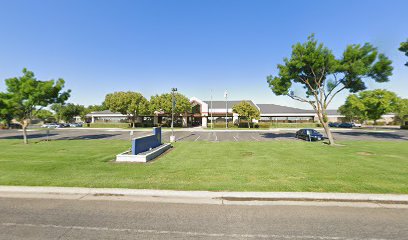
(404, 127)
(266, 125)
(222, 125)
(295, 125)
(379, 124)
(263, 125)
(107, 125)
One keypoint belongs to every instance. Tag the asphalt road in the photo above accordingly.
(213, 136)
(81, 219)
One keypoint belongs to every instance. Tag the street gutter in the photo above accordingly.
(207, 197)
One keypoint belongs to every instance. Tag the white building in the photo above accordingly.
(204, 111)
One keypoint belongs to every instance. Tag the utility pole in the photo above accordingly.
(226, 108)
(212, 126)
(173, 105)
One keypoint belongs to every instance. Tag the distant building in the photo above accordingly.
(219, 110)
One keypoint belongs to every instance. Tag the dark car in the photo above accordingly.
(63, 125)
(334, 124)
(309, 135)
(346, 125)
(15, 126)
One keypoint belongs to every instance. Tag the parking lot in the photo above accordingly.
(204, 135)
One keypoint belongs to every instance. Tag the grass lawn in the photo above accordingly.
(367, 167)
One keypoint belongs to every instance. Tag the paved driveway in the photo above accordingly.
(206, 135)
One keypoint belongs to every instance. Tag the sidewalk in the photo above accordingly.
(206, 197)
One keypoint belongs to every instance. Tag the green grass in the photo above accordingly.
(367, 167)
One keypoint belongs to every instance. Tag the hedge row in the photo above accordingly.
(107, 125)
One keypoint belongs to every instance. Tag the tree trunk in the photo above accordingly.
(25, 124)
(328, 133)
(249, 123)
(326, 128)
(135, 117)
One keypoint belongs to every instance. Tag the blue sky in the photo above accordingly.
(100, 47)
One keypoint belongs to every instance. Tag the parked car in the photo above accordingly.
(309, 135)
(357, 125)
(346, 125)
(50, 125)
(63, 125)
(75, 124)
(334, 124)
(15, 126)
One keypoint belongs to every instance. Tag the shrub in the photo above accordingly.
(379, 123)
(108, 125)
(222, 125)
(295, 125)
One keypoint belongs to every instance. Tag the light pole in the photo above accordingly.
(226, 108)
(211, 110)
(173, 105)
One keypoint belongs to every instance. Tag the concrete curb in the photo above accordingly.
(205, 197)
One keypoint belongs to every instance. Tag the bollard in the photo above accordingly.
(131, 134)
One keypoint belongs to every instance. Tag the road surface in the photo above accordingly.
(206, 135)
(83, 219)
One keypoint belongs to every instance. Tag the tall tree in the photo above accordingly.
(5, 112)
(371, 105)
(315, 68)
(247, 110)
(26, 95)
(132, 104)
(96, 108)
(44, 115)
(68, 111)
(402, 111)
(378, 102)
(404, 48)
(353, 109)
(163, 103)
(57, 108)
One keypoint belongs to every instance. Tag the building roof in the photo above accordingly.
(274, 109)
(264, 108)
(221, 104)
(333, 112)
(104, 112)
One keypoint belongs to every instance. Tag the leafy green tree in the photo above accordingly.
(68, 111)
(402, 110)
(247, 110)
(57, 108)
(5, 112)
(132, 104)
(315, 68)
(96, 108)
(26, 95)
(44, 115)
(353, 109)
(370, 105)
(404, 48)
(378, 102)
(163, 103)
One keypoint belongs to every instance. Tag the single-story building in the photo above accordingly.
(202, 112)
